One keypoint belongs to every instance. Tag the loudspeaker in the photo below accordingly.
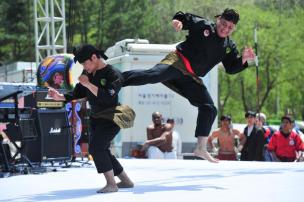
(55, 134)
(28, 128)
(24, 129)
(54, 140)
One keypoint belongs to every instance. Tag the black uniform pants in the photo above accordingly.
(196, 93)
(102, 133)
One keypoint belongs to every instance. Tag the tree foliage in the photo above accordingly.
(280, 63)
(16, 32)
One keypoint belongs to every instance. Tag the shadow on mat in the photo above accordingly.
(142, 189)
(56, 195)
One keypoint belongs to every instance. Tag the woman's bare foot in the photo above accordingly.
(205, 155)
(125, 184)
(108, 189)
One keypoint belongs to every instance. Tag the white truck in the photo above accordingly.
(130, 54)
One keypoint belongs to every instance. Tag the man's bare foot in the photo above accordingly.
(108, 189)
(205, 155)
(125, 184)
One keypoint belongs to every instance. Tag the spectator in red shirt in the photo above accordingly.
(285, 145)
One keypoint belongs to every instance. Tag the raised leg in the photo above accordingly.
(159, 73)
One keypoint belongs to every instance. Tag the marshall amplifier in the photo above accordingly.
(55, 140)
(55, 134)
(44, 101)
(40, 99)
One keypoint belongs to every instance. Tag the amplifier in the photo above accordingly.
(54, 140)
(40, 99)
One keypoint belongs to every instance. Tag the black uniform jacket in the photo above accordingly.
(254, 147)
(109, 82)
(204, 48)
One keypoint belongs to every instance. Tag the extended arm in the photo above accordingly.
(235, 63)
(78, 93)
(184, 20)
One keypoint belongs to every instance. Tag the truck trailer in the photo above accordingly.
(130, 54)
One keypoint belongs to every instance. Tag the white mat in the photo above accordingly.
(165, 180)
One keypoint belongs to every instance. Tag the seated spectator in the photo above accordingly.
(226, 140)
(285, 145)
(176, 140)
(159, 139)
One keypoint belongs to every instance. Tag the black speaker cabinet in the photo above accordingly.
(24, 129)
(54, 140)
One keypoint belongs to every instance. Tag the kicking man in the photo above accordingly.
(207, 44)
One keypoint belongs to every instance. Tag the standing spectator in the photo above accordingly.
(268, 130)
(254, 144)
(296, 129)
(159, 139)
(285, 145)
(176, 140)
(226, 139)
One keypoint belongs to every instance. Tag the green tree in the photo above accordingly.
(16, 36)
(102, 23)
(280, 63)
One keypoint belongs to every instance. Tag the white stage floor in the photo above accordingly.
(165, 180)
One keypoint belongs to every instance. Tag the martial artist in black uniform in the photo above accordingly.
(99, 84)
(206, 45)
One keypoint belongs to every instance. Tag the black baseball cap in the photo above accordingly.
(230, 15)
(86, 52)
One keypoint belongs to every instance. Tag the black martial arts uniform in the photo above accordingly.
(253, 149)
(194, 58)
(109, 81)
